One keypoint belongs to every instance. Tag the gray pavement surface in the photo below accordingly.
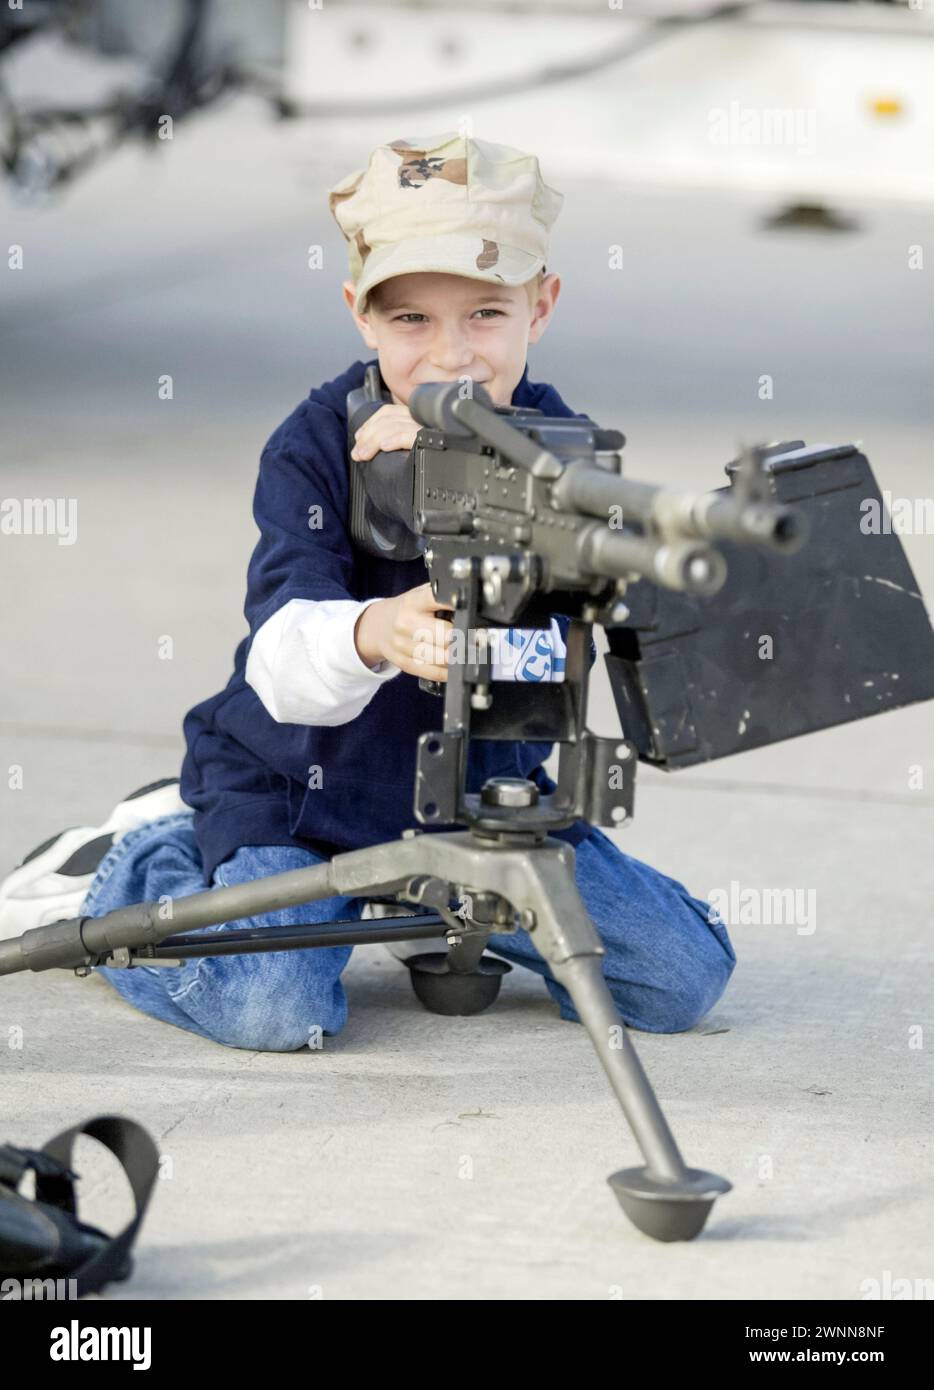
(339, 1173)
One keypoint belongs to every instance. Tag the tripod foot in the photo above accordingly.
(445, 991)
(667, 1210)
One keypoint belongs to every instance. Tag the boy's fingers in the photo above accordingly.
(367, 449)
(419, 662)
(384, 433)
(432, 644)
(432, 673)
(390, 424)
(427, 601)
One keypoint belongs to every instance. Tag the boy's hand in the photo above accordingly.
(404, 631)
(390, 427)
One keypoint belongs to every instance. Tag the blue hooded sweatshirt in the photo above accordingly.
(244, 774)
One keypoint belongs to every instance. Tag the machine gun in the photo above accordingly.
(718, 641)
(551, 488)
(519, 515)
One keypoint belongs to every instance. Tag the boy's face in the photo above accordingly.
(431, 326)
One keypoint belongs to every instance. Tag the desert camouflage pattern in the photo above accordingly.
(445, 202)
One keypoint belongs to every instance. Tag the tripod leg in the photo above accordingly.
(665, 1199)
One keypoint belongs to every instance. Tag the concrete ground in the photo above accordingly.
(343, 1173)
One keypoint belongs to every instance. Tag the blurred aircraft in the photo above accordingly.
(812, 103)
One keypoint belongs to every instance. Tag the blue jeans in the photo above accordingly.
(665, 964)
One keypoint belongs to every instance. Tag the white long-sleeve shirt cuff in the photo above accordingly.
(305, 667)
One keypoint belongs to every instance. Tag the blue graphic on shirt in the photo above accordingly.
(537, 658)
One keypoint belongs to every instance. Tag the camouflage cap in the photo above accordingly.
(445, 203)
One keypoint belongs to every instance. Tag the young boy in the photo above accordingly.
(310, 748)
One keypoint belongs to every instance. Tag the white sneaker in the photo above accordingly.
(51, 883)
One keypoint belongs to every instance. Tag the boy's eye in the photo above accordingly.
(401, 318)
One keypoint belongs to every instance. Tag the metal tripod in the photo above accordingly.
(503, 873)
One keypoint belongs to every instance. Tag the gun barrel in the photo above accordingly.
(687, 565)
(698, 515)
